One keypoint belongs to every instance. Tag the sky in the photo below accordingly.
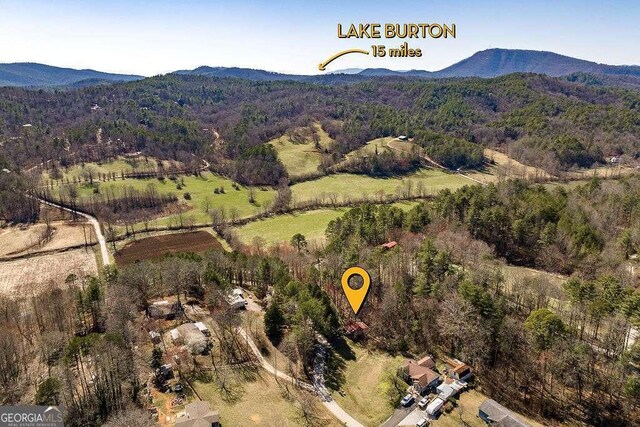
(156, 37)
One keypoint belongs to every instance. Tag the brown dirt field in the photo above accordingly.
(157, 246)
(17, 240)
(30, 276)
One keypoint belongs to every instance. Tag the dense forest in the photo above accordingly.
(548, 122)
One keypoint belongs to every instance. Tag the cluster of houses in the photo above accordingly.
(195, 337)
(423, 379)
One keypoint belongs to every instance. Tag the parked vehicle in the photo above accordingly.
(422, 422)
(407, 400)
(434, 407)
(423, 403)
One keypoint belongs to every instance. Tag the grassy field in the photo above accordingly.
(201, 189)
(126, 165)
(514, 169)
(370, 148)
(261, 401)
(301, 158)
(466, 413)
(356, 187)
(311, 224)
(363, 387)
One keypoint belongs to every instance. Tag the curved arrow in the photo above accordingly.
(322, 65)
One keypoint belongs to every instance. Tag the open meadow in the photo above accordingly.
(370, 148)
(311, 224)
(301, 157)
(118, 166)
(34, 238)
(358, 187)
(279, 229)
(197, 196)
(362, 383)
(262, 401)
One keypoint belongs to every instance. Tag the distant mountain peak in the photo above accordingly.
(487, 63)
(41, 75)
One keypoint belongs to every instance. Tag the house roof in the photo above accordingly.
(352, 327)
(422, 374)
(456, 365)
(201, 326)
(427, 377)
(500, 415)
(198, 414)
(427, 362)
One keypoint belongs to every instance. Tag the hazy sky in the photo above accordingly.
(153, 37)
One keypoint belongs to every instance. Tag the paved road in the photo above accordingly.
(399, 415)
(330, 404)
(96, 227)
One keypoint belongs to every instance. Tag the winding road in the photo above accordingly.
(96, 227)
(327, 401)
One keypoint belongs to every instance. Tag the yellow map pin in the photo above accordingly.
(356, 296)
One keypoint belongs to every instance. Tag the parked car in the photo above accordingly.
(423, 403)
(422, 422)
(407, 400)
(178, 388)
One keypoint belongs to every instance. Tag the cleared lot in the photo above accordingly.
(16, 240)
(29, 276)
(157, 246)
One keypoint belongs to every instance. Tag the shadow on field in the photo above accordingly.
(340, 353)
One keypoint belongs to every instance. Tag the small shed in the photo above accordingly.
(155, 337)
(202, 328)
(494, 413)
(166, 371)
(236, 301)
(164, 310)
(389, 245)
(176, 338)
(356, 330)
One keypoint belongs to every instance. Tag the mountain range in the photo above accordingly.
(487, 63)
(40, 75)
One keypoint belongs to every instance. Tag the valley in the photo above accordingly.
(180, 240)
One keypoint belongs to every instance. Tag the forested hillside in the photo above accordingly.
(543, 121)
